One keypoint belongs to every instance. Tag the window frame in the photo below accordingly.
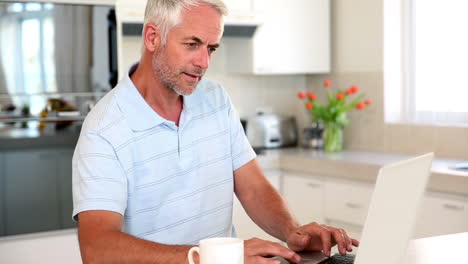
(19, 70)
(399, 71)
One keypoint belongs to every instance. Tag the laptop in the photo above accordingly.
(397, 196)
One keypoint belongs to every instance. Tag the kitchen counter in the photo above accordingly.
(361, 166)
(27, 138)
(435, 250)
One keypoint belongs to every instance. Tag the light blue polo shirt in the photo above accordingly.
(173, 185)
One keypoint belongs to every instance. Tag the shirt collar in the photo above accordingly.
(196, 97)
(140, 116)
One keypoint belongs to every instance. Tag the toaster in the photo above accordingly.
(271, 131)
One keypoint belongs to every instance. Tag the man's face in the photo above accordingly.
(184, 59)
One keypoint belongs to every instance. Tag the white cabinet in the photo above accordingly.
(131, 11)
(347, 204)
(238, 6)
(328, 201)
(240, 12)
(245, 227)
(293, 38)
(305, 197)
(442, 214)
(347, 201)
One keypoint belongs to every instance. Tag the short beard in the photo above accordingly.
(166, 75)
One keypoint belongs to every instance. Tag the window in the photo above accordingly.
(29, 29)
(426, 62)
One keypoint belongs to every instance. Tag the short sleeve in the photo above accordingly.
(241, 150)
(99, 181)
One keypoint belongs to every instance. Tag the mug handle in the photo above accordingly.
(190, 254)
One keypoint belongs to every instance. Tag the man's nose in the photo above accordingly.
(202, 59)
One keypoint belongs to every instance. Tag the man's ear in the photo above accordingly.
(151, 37)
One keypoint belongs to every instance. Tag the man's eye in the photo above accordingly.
(192, 44)
(211, 50)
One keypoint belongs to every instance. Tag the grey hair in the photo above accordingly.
(165, 14)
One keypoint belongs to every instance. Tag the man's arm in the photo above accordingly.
(268, 210)
(102, 241)
(262, 202)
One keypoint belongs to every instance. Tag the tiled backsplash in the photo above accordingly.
(365, 131)
(368, 131)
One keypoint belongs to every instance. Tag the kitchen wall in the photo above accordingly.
(248, 92)
(357, 37)
(357, 58)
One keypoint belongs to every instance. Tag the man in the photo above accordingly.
(159, 156)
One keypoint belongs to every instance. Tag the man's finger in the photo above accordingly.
(340, 240)
(325, 235)
(347, 240)
(266, 248)
(355, 242)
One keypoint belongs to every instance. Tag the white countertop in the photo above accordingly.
(436, 250)
(361, 165)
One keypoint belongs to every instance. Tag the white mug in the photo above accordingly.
(219, 250)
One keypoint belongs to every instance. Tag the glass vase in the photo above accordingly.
(333, 137)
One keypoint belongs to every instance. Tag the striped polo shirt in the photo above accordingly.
(173, 184)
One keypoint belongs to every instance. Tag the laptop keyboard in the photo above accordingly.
(339, 259)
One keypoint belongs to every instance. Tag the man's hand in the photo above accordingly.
(316, 237)
(257, 251)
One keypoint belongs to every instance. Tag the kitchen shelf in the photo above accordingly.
(53, 116)
(53, 94)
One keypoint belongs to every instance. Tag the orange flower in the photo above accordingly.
(354, 89)
(301, 95)
(368, 102)
(348, 91)
(340, 96)
(309, 106)
(361, 106)
(327, 83)
(311, 96)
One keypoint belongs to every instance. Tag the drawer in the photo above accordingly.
(347, 202)
(442, 215)
(305, 197)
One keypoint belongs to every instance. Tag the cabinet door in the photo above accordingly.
(304, 195)
(245, 227)
(31, 197)
(64, 178)
(347, 204)
(442, 215)
(294, 37)
(131, 11)
(238, 6)
(2, 191)
(347, 201)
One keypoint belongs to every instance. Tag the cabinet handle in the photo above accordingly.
(454, 207)
(353, 205)
(313, 185)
